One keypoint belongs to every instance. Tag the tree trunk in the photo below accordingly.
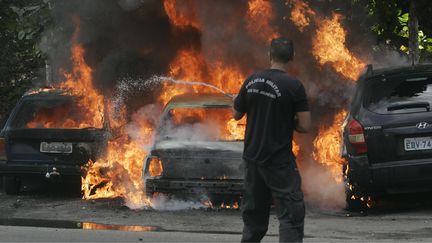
(413, 34)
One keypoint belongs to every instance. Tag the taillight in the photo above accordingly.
(155, 166)
(2, 149)
(356, 136)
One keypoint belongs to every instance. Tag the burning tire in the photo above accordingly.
(356, 198)
(353, 202)
(11, 185)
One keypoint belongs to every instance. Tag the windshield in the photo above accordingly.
(407, 95)
(201, 124)
(60, 112)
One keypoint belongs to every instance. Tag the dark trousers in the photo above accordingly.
(283, 184)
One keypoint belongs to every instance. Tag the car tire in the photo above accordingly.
(353, 201)
(353, 194)
(11, 185)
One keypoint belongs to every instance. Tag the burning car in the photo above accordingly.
(44, 137)
(198, 149)
(388, 134)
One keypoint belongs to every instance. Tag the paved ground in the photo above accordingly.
(402, 218)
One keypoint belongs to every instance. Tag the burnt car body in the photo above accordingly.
(30, 151)
(388, 134)
(188, 166)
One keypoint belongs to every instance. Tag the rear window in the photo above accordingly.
(202, 124)
(404, 95)
(54, 112)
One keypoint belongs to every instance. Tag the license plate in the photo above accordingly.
(423, 143)
(56, 148)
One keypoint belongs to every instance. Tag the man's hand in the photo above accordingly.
(237, 115)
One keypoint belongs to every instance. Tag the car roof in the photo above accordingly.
(197, 100)
(398, 70)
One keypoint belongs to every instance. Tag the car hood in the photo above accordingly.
(233, 146)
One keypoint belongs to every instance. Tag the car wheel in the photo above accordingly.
(356, 198)
(355, 202)
(11, 185)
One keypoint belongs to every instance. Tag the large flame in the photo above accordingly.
(328, 146)
(301, 14)
(119, 172)
(182, 14)
(329, 47)
(77, 83)
(259, 20)
(190, 65)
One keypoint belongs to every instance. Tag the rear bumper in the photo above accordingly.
(397, 176)
(20, 169)
(194, 187)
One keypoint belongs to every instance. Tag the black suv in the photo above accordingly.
(29, 150)
(388, 134)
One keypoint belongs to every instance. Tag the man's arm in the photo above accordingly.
(303, 121)
(239, 103)
(237, 115)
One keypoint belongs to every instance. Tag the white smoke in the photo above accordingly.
(320, 188)
(164, 203)
(206, 131)
(390, 58)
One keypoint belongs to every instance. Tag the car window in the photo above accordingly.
(59, 112)
(403, 95)
(201, 124)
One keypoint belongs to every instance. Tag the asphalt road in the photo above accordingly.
(52, 215)
(32, 234)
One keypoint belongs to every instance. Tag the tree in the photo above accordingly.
(21, 26)
(392, 24)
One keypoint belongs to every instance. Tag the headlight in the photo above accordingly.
(155, 167)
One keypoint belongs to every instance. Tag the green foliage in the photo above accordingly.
(391, 26)
(21, 26)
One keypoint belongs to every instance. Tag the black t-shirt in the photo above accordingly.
(270, 99)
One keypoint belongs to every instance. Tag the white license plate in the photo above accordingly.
(423, 143)
(56, 148)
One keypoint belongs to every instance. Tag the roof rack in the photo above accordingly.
(39, 90)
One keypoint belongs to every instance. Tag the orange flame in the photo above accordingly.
(190, 65)
(329, 47)
(182, 15)
(236, 129)
(295, 148)
(155, 167)
(79, 84)
(60, 117)
(234, 205)
(119, 173)
(259, 20)
(328, 146)
(301, 14)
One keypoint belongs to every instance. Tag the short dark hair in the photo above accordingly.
(282, 50)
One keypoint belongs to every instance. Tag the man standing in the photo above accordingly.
(276, 105)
